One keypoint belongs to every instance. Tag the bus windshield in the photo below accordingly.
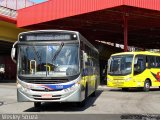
(120, 65)
(48, 61)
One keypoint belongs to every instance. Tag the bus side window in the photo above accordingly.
(151, 60)
(157, 62)
(139, 64)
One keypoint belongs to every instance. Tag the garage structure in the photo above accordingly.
(128, 22)
(108, 20)
(8, 35)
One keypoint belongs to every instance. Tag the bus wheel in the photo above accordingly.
(86, 91)
(37, 104)
(146, 86)
(125, 89)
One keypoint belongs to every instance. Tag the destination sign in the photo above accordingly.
(47, 37)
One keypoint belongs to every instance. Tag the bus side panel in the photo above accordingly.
(89, 66)
(154, 79)
(140, 78)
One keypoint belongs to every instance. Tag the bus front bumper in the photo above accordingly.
(72, 95)
(124, 84)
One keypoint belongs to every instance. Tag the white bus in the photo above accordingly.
(55, 66)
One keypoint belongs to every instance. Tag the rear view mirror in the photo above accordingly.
(135, 60)
(109, 60)
(147, 65)
(85, 57)
(13, 53)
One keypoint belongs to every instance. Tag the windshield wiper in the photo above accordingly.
(57, 52)
(37, 54)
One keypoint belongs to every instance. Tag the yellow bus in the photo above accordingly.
(134, 70)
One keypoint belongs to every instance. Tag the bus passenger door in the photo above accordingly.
(139, 70)
(84, 72)
(153, 70)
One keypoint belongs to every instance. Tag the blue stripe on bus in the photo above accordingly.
(57, 87)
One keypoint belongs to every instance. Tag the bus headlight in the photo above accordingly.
(22, 86)
(73, 88)
(128, 79)
(19, 86)
(108, 79)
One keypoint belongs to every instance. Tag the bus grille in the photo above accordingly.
(47, 90)
(46, 81)
(47, 98)
(54, 97)
(119, 78)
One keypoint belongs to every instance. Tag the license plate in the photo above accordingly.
(47, 96)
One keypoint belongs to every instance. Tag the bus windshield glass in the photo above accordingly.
(48, 61)
(120, 65)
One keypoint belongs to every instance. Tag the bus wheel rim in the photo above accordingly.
(147, 85)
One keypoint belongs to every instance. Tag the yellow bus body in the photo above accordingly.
(131, 80)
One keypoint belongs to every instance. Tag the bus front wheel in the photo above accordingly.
(146, 86)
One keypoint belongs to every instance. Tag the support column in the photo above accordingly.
(125, 18)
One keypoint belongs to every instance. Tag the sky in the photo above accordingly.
(38, 1)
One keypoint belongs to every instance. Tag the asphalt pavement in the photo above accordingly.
(108, 101)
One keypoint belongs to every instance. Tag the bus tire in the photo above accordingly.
(147, 85)
(37, 104)
(86, 91)
(125, 89)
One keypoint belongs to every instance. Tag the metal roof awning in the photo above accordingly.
(98, 19)
(8, 19)
(58, 9)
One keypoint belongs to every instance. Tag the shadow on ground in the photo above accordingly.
(134, 90)
(7, 81)
(65, 107)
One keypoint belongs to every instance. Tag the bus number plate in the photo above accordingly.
(47, 96)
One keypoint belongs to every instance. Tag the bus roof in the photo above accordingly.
(138, 52)
(63, 31)
(49, 30)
